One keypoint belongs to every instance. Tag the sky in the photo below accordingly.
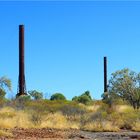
(65, 42)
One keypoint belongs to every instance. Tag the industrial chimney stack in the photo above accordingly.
(105, 74)
(21, 79)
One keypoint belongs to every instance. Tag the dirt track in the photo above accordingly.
(56, 134)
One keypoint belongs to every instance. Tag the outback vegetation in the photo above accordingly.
(118, 110)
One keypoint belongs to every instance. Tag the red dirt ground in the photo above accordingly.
(71, 134)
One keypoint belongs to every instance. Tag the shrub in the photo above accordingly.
(2, 94)
(58, 96)
(36, 118)
(72, 110)
(99, 116)
(36, 94)
(21, 101)
(130, 119)
(85, 98)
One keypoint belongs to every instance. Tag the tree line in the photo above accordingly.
(123, 85)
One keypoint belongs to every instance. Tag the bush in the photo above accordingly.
(72, 110)
(110, 98)
(58, 96)
(85, 98)
(21, 101)
(99, 116)
(36, 95)
(2, 94)
(36, 118)
(130, 119)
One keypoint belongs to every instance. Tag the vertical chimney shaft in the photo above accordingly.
(21, 85)
(105, 74)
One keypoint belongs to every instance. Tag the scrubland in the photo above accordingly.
(95, 117)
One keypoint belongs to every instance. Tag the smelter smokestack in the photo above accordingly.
(105, 74)
(21, 79)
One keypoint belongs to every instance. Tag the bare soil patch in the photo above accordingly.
(71, 134)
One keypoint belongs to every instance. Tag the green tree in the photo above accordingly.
(5, 84)
(110, 98)
(2, 94)
(87, 93)
(85, 98)
(58, 96)
(75, 98)
(126, 84)
(36, 95)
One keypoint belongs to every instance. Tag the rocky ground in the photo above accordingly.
(56, 134)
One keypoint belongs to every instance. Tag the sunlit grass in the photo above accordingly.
(101, 126)
(122, 108)
(11, 118)
(5, 134)
(95, 118)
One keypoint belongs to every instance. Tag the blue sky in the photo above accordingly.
(65, 43)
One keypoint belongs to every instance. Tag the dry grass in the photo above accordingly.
(93, 108)
(5, 134)
(23, 119)
(101, 126)
(11, 118)
(121, 116)
(123, 108)
(136, 127)
(56, 120)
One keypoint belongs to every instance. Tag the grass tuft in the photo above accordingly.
(5, 134)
